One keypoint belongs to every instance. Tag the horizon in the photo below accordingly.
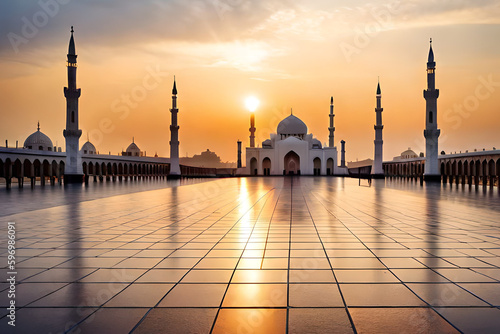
(286, 55)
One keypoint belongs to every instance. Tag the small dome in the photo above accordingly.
(316, 143)
(267, 143)
(88, 148)
(38, 141)
(292, 125)
(409, 154)
(132, 148)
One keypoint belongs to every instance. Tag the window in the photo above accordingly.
(431, 117)
(72, 117)
(40, 148)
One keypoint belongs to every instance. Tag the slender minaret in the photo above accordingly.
(431, 132)
(73, 172)
(378, 171)
(342, 153)
(238, 165)
(252, 129)
(331, 128)
(175, 170)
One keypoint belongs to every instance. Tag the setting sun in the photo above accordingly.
(252, 103)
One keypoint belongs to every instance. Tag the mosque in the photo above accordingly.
(292, 151)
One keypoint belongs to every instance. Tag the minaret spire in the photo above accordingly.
(377, 169)
(431, 132)
(175, 170)
(73, 172)
(331, 128)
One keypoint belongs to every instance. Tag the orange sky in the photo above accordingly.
(288, 54)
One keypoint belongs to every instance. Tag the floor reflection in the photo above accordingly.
(266, 255)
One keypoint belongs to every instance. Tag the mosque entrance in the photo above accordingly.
(292, 164)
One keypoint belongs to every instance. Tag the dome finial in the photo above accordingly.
(71, 48)
(38, 126)
(430, 59)
(133, 139)
(291, 111)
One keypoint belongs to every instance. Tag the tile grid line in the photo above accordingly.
(82, 320)
(329, 262)
(267, 195)
(404, 284)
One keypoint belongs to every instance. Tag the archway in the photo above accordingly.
(329, 166)
(292, 163)
(317, 166)
(253, 166)
(266, 166)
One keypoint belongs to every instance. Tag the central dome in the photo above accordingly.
(292, 125)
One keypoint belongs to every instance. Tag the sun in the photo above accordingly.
(252, 103)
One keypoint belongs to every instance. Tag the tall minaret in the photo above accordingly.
(238, 164)
(73, 172)
(175, 170)
(252, 129)
(342, 153)
(331, 128)
(431, 132)
(378, 171)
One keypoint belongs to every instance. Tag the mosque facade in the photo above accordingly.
(292, 151)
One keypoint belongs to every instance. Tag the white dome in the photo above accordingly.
(88, 148)
(316, 143)
(409, 154)
(38, 141)
(292, 125)
(267, 143)
(133, 148)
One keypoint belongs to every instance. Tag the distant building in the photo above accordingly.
(206, 159)
(408, 154)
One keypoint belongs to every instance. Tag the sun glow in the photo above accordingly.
(252, 103)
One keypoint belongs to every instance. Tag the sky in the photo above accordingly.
(288, 54)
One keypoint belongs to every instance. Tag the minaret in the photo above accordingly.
(378, 171)
(252, 129)
(342, 153)
(73, 172)
(238, 165)
(175, 170)
(431, 132)
(331, 128)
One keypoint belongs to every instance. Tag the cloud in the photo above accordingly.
(126, 23)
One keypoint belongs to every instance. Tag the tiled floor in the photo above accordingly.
(260, 255)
